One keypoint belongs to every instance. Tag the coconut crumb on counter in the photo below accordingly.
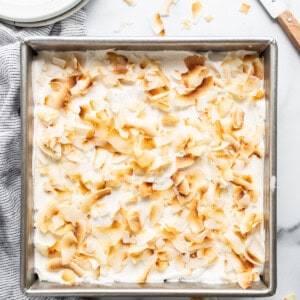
(208, 18)
(196, 11)
(290, 297)
(130, 2)
(123, 24)
(245, 7)
(157, 25)
(186, 24)
(165, 9)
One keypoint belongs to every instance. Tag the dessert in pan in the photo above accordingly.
(148, 166)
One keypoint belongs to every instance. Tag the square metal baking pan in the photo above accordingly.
(267, 48)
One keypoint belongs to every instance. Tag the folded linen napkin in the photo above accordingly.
(10, 145)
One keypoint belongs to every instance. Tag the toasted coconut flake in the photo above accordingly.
(193, 61)
(184, 187)
(59, 62)
(232, 141)
(82, 86)
(80, 230)
(54, 250)
(258, 68)
(253, 196)
(99, 157)
(203, 185)
(156, 212)
(157, 25)
(186, 24)
(144, 276)
(184, 199)
(178, 177)
(184, 161)
(42, 249)
(165, 255)
(149, 129)
(60, 99)
(180, 244)
(145, 189)
(74, 64)
(224, 107)
(179, 263)
(250, 221)
(196, 11)
(170, 120)
(115, 231)
(56, 222)
(50, 209)
(48, 117)
(96, 272)
(237, 116)
(245, 8)
(83, 263)
(68, 248)
(201, 89)
(254, 252)
(161, 265)
(63, 230)
(162, 184)
(112, 184)
(56, 264)
(134, 222)
(241, 198)
(196, 150)
(120, 62)
(76, 269)
(91, 200)
(147, 143)
(122, 145)
(235, 242)
(145, 159)
(71, 214)
(116, 257)
(130, 2)
(68, 276)
(245, 181)
(259, 95)
(194, 78)
(51, 148)
(235, 262)
(244, 280)
(195, 221)
(196, 263)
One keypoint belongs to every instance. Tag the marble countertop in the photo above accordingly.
(106, 18)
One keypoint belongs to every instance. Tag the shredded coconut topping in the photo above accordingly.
(148, 166)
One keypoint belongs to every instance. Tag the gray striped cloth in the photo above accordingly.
(10, 145)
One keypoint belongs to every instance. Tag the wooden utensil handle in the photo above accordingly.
(291, 26)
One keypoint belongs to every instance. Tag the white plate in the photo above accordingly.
(34, 10)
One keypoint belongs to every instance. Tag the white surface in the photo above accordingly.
(33, 10)
(104, 19)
